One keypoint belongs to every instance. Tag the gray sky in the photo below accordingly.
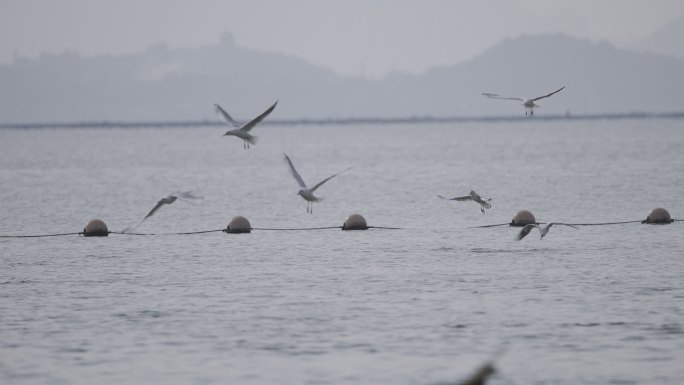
(351, 37)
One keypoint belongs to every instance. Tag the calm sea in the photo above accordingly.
(426, 304)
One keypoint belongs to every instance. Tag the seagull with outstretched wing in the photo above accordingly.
(543, 229)
(305, 192)
(529, 104)
(187, 196)
(242, 132)
(473, 196)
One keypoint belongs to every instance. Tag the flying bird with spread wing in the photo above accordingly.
(473, 196)
(305, 192)
(187, 196)
(242, 132)
(543, 229)
(529, 104)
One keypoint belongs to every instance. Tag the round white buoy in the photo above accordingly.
(658, 216)
(522, 218)
(355, 222)
(95, 228)
(239, 225)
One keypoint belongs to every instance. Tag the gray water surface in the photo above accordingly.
(426, 304)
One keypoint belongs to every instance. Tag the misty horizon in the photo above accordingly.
(336, 61)
(161, 84)
(353, 38)
(228, 37)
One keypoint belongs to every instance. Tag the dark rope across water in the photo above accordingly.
(197, 232)
(312, 228)
(184, 233)
(297, 229)
(604, 223)
(577, 224)
(496, 225)
(40, 235)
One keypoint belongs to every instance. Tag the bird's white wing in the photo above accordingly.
(547, 95)
(167, 200)
(225, 116)
(524, 231)
(159, 204)
(460, 199)
(248, 126)
(149, 214)
(495, 96)
(294, 172)
(328, 178)
(187, 196)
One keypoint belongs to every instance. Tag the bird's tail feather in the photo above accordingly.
(253, 140)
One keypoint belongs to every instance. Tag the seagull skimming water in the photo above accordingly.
(543, 230)
(484, 202)
(182, 195)
(305, 192)
(527, 103)
(242, 132)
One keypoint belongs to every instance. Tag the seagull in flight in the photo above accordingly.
(242, 132)
(543, 230)
(527, 103)
(187, 196)
(484, 202)
(305, 192)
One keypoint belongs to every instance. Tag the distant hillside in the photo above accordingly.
(158, 84)
(183, 84)
(666, 41)
(599, 78)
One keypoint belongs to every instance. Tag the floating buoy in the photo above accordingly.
(95, 228)
(239, 225)
(658, 216)
(355, 222)
(522, 218)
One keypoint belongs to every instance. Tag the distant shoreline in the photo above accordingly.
(345, 121)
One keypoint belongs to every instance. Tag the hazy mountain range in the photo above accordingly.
(666, 40)
(183, 84)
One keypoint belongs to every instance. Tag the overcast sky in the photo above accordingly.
(351, 37)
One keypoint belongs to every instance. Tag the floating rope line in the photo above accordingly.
(196, 232)
(127, 233)
(605, 223)
(40, 235)
(579, 224)
(314, 228)
(184, 233)
(485, 226)
(297, 229)
(323, 228)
